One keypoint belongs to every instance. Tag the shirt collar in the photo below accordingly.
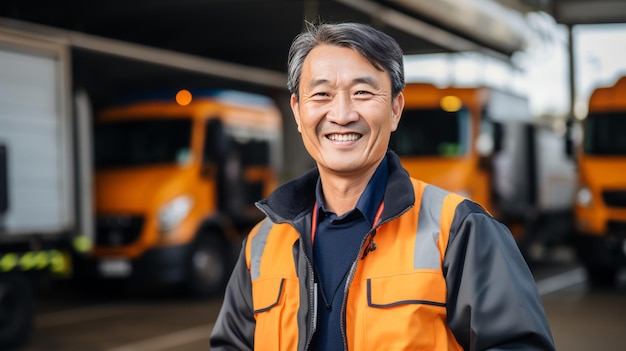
(370, 199)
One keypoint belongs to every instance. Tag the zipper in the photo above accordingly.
(355, 263)
(312, 297)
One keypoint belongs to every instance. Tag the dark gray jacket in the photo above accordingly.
(491, 301)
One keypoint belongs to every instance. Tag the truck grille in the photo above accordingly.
(617, 227)
(614, 198)
(118, 230)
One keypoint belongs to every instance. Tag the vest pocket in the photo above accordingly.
(275, 304)
(406, 311)
(266, 293)
(424, 287)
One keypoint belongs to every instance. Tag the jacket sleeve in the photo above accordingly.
(235, 324)
(492, 300)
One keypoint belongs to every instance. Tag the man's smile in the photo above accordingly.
(344, 137)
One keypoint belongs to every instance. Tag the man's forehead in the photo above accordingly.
(327, 56)
(334, 50)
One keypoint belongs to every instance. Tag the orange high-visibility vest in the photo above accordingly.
(397, 293)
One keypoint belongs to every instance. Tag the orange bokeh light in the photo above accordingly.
(183, 97)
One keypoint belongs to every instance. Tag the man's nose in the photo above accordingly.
(342, 110)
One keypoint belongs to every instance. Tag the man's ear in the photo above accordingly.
(295, 109)
(397, 106)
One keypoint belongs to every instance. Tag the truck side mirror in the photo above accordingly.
(498, 137)
(569, 138)
(215, 142)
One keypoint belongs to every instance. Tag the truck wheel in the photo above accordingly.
(16, 310)
(601, 275)
(209, 266)
(103, 289)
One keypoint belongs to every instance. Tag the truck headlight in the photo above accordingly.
(583, 197)
(173, 212)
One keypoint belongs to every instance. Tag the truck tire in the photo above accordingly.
(16, 310)
(210, 264)
(600, 275)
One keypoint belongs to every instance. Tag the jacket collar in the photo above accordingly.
(296, 198)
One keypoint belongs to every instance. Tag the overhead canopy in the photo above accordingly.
(258, 32)
(121, 44)
(573, 12)
(245, 42)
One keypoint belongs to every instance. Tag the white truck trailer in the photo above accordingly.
(42, 206)
(50, 82)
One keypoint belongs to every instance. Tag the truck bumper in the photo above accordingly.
(167, 265)
(602, 250)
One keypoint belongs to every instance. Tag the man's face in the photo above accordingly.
(346, 113)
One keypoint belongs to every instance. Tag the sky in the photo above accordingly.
(601, 58)
(541, 72)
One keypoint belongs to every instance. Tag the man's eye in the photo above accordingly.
(363, 92)
(320, 94)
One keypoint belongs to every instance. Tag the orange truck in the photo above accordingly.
(485, 144)
(600, 210)
(176, 178)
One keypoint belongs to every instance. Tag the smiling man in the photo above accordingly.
(355, 254)
(345, 111)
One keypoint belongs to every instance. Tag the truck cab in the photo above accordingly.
(485, 144)
(600, 209)
(435, 139)
(175, 184)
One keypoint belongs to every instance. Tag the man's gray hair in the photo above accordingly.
(381, 50)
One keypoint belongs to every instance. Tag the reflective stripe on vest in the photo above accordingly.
(257, 248)
(428, 229)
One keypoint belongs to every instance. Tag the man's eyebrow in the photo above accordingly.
(316, 82)
(366, 80)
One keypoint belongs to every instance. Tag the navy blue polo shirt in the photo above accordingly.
(336, 247)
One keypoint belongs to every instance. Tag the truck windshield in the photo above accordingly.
(142, 142)
(435, 132)
(604, 134)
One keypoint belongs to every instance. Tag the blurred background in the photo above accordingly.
(135, 137)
